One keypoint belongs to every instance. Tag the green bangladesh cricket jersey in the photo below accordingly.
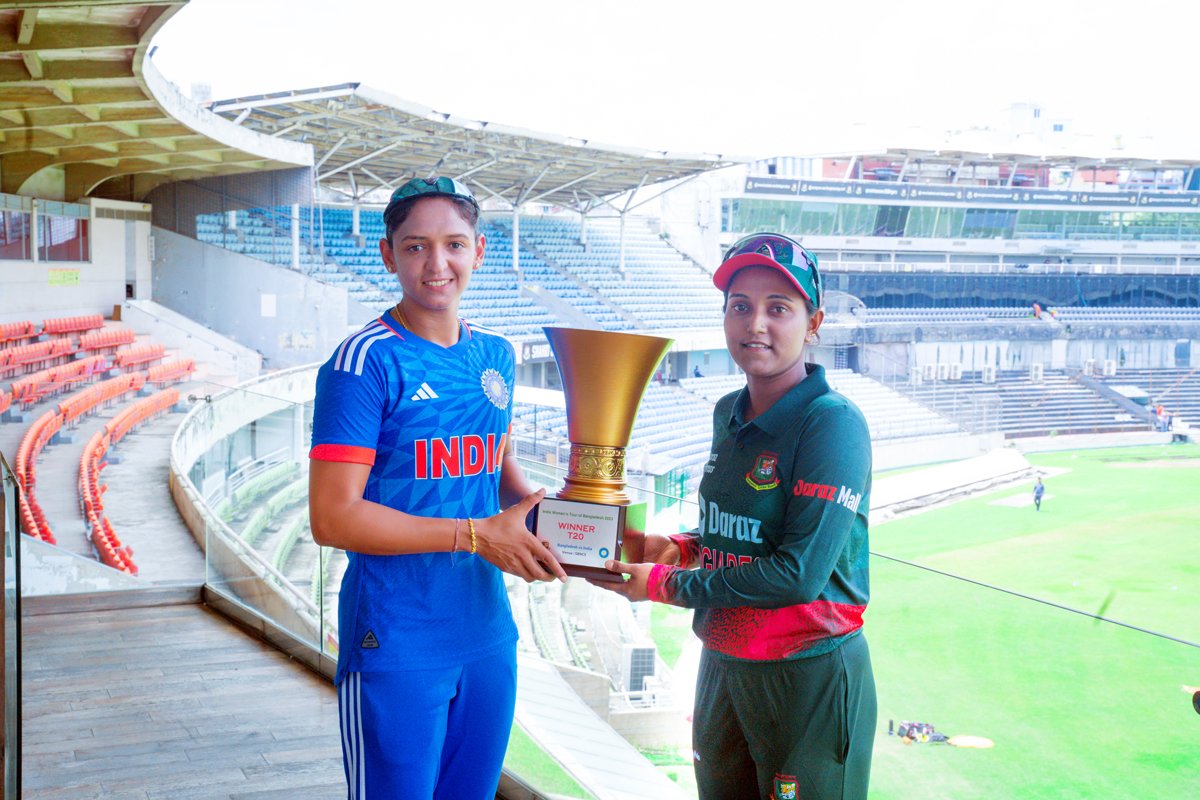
(780, 558)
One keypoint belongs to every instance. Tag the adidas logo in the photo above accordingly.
(369, 641)
(424, 393)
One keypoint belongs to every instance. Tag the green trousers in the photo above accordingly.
(785, 730)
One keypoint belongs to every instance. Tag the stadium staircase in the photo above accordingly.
(1177, 388)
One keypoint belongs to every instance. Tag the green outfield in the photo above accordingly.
(1077, 708)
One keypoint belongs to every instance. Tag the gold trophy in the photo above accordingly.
(591, 519)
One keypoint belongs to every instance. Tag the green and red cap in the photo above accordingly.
(778, 252)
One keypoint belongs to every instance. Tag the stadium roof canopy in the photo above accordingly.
(996, 152)
(83, 108)
(366, 140)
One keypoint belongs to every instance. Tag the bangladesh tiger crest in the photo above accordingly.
(763, 476)
(785, 787)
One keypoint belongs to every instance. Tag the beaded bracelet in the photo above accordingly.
(471, 528)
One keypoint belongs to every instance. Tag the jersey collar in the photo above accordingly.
(779, 416)
(464, 333)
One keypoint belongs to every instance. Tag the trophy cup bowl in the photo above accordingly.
(604, 375)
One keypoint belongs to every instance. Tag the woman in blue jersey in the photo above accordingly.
(777, 571)
(410, 468)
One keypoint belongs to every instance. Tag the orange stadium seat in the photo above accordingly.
(35, 439)
(99, 394)
(106, 338)
(132, 416)
(22, 358)
(108, 546)
(139, 354)
(33, 388)
(73, 324)
(16, 331)
(170, 371)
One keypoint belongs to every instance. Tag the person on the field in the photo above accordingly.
(777, 571)
(1039, 489)
(411, 463)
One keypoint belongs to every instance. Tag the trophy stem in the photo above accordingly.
(595, 474)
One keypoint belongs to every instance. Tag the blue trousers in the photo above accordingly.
(431, 733)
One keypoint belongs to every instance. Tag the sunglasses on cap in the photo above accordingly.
(422, 186)
(774, 250)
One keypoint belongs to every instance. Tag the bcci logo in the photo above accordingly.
(495, 388)
(763, 476)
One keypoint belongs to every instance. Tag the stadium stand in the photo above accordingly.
(883, 316)
(889, 414)
(108, 546)
(1125, 314)
(660, 289)
(1177, 388)
(1055, 405)
(52, 424)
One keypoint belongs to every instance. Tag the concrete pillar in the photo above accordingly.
(33, 231)
(516, 241)
(296, 236)
(621, 258)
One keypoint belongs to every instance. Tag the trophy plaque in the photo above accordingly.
(591, 519)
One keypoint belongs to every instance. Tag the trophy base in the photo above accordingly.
(593, 574)
(583, 535)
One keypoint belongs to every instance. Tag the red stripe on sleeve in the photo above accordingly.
(657, 581)
(343, 452)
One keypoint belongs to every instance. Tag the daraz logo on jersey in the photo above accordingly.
(843, 495)
(457, 456)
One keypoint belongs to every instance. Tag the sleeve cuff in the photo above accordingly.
(343, 452)
(656, 584)
(689, 548)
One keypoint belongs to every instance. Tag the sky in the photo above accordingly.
(747, 78)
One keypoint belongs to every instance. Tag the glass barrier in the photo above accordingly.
(250, 485)
(10, 520)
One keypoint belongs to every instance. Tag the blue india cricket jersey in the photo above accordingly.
(433, 423)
